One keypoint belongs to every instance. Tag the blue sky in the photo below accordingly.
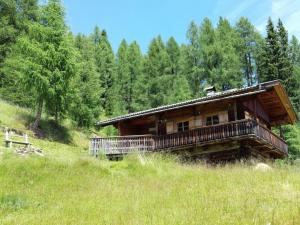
(142, 20)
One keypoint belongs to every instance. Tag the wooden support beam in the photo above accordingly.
(235, 109)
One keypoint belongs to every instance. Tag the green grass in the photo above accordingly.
(151, 190)
(13, 116)
(67, 186)
(63, 141)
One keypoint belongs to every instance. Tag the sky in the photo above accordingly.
(142, 20)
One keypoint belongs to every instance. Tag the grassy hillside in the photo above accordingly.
(139, 190)
(58, 140)
(66, 186)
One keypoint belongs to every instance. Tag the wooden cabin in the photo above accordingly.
(222, 125)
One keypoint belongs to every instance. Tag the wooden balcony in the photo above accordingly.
(243, 130)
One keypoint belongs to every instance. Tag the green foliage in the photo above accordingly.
(46, 68)
(247, 48)
(43, 61)
(155, 69)
(104, 58)
(85, 99)
(292, 137)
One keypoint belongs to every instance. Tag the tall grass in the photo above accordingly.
(151, 189)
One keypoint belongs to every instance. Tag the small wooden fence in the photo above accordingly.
(127, 144)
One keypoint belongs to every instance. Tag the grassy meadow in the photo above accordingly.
(144, 190)
(67, 186)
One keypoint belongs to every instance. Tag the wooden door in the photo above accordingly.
(162, 130)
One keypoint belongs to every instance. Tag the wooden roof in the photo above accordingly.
(274, 101)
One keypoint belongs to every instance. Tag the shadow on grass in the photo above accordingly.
(49, 129)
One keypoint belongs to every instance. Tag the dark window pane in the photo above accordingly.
(179, 127)
(182, 126)
(216, 119)
(208, 121)
(186, 125)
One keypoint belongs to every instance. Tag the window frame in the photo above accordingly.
(183, 126)
(212, 120)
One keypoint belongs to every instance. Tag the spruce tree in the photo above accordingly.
(285, 68)
(269, 58)
(294, 51)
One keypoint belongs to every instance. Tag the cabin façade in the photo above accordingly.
(221, 126)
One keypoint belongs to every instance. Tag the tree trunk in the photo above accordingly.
(38, 116)
(280, 132)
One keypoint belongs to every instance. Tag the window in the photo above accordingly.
(182, 126)
(212, 120)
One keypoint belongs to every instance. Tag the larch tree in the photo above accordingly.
(247, 48)
(14, 17)
(85, 98)
(173, 51)
(135, 85)
(156, 64)
(192, 63)
(228, 72)
(121, 81)
(44, 61)
(104, 57)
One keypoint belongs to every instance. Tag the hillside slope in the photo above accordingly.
(57, 140)
(66, 186)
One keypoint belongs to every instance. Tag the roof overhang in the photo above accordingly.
(221, 96)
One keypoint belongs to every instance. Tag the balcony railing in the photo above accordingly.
(199, 136)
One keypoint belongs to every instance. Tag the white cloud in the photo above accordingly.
(238, 10)
(288, 11)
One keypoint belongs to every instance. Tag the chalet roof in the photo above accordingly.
(229, 94)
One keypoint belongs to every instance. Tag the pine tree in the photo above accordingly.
(44, 61)
(104, 57)
(285, 68)
(210, 54)
(294, 50)
(269, 58)
(121, 81)
(228, 73)
(294, 53)
(85, 100)
(156, 64)
(247, 48)
(180, 90)
(13, 18)
(8, 22)
(191, 66)
(173, 51)
(135, 88)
